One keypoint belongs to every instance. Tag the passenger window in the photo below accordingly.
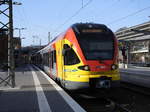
(53, 58)
(54, 52)
(70, 57)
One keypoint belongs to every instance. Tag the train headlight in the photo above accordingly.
(85, 67)
(114, 67)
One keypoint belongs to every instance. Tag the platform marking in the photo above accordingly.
(42, 101)
(73, 104)
(9, 88)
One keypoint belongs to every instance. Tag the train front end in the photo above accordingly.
(96, 52)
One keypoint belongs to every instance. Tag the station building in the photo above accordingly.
(134, 44)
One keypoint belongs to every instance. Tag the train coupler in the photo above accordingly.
(102, 82)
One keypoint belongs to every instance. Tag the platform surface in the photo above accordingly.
(35, 92)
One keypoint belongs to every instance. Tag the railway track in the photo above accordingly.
(136, 88)
(98, 102)
(119, 107)
(122, 100)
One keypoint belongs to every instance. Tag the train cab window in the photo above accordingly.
(97, 45)
(70, 57)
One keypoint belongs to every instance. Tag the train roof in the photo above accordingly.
(48, 46)
(77, 27)
(88, 25)
(80, 26)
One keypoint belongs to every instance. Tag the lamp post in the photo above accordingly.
(19, 29)
(18, 60)
(22, 39)
(35, 40)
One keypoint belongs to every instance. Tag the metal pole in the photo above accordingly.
(19, 33)
(40, 42)
(49, 38)
(11, 66)
(19, 29)
(128, 55)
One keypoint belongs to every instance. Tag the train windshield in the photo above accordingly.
(97, 45)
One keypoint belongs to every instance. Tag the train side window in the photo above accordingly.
(52, 58)
(48, 59)
(45, 59)
(70, 57)
(40, 59)
(54, 52)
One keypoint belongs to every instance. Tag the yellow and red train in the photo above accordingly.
(85, 56)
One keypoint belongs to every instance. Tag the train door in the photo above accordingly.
(61, 64)
(70, 59)
(53, 63)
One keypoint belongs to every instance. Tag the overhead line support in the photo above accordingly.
(7, 25)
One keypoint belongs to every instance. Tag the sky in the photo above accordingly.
(38, 17)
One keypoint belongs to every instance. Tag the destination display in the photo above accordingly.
(92, 30)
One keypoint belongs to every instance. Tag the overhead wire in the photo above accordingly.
(62, 8)
(76, 13)
(32, 26)
(103, 10)
(132, 14)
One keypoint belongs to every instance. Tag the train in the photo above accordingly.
(84, 56)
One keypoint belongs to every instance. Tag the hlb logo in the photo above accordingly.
(100, 67)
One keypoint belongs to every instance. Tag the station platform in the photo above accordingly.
(35, 92)
(136, 75)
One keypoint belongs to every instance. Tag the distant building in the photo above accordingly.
(4, 46)
(26, 52)
(21, 54)
(138, 39)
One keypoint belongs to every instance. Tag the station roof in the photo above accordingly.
(138, 32)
